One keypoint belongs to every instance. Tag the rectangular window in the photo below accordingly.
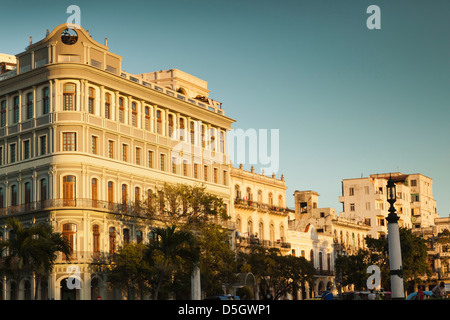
(107, 106)
(69, 96)
(16, 109)
(69, 141)
(133, 114)
(150, 159)
(225, 178)
(26, 149)
(43, 145)
(121, 110)
(196, 170)
(3, 113)
(111, 149)
(124, 152)
(215, 175)
(138, 156)
(1, 156)
(413, 183)
(174, 165)
(94, 145)
(91, 101)
(29, 105)
(12, 153)
(352, 207)
(205, 173)
(351, 191)
(162, 163)
(185, 168)
(46, 101)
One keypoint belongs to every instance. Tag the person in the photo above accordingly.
(327, 295)
(420, 294)
(372, 295)
(439, 291)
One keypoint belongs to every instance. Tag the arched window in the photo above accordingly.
(69, 90)
(69, 232)
(250, 227)
(69, 190)
(249, 196)
(280, 201)
(91, 101)
(139, 236)
(107, 106)
(238, 191)
(261, 230)
(271, 199)
(126, 236)
(95, 239)
(311, 256)
(124, 194)
(272, 233)
(112, 240)
(137, 194)
(110, 191)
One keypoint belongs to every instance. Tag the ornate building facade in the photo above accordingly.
(81, 139)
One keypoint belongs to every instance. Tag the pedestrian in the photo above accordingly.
(327, 295)
(439, 291)
(420, 294)
(372, 295)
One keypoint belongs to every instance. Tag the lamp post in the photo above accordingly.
(395, 253)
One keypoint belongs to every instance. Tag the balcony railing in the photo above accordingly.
(260, 206)
(255, 241)
(108, 207)
(86, 256)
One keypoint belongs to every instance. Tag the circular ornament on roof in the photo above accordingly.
(69, 36)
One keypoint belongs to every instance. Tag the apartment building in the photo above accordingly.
(259, 210)
(366, 199)
(80, 139)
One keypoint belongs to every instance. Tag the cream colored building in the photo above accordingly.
(81, 138)
(259, 210)
(366, 198)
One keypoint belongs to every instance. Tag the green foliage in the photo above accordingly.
(352, 269)
(276, 274)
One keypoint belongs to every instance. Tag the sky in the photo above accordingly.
(347, 101)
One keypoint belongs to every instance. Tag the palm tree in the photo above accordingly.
(169, 250)
(31, 249)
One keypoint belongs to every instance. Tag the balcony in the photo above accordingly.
(255, 241)
(121, 210)
(254, 205)
(86, 257)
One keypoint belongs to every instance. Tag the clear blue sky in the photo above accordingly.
(348, 101)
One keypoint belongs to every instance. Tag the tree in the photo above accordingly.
(352, 269)
(169, 251)
(131, 270)
(217, 259)
(276, 274)
(31, 249)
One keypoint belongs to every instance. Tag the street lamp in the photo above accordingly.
(395, 253)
